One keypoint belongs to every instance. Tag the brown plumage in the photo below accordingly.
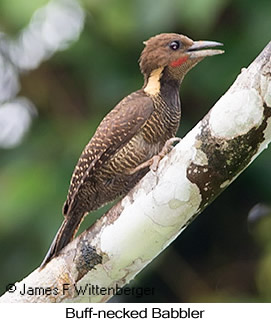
(132, 133)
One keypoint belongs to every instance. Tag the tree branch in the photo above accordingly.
(130, 235)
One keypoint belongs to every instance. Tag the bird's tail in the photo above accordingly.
(64, 235)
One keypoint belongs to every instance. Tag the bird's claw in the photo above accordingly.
(154, 161)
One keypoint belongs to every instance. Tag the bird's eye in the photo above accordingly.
(174, 45)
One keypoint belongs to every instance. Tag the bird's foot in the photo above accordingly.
(165, 150)
(154, 161)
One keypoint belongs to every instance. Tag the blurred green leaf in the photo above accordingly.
(19, 12)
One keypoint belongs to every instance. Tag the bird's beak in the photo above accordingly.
(202, 48)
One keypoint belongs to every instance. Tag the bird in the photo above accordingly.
(134, 135)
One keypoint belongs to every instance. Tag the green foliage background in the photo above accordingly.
(220, 257)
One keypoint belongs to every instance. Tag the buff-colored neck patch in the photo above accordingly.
(153, 84)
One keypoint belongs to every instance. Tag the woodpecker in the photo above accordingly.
(133, 134)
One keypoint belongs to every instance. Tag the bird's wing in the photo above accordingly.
(115, 130)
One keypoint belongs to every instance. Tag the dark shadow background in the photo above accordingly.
(222, 256)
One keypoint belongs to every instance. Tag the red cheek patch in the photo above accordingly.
(179, 61)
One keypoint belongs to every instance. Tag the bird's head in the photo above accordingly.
(176, 52)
